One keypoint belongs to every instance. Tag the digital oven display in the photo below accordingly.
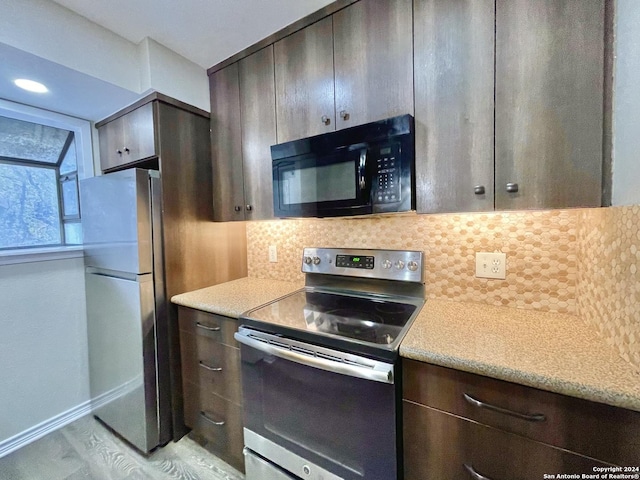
(355, 261)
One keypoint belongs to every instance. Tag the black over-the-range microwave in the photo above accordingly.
(359, 170)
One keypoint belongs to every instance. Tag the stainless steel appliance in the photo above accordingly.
(127, 324)
(320, 375)
(364, 169)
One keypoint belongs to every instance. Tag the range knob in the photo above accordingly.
(413, 266)
(386, 264)
(399, 264)
(316, 260)
(308, 260)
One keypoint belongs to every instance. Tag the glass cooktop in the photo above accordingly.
(375, 320)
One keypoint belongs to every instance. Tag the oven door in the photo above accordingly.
(328, 185)
(318, 413)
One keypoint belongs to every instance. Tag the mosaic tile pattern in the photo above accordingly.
(608, 287)
(541, 251)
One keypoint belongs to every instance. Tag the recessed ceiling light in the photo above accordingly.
(30, 85)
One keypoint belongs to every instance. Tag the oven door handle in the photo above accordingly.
(377, 372)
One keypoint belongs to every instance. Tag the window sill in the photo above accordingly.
(30, 255)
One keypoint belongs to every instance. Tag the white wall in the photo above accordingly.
(43, 343)
(50, 31)
(626, 110)
(164, 70)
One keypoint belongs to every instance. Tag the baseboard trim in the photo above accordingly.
(38, 431)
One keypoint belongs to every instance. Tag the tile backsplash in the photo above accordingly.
(584, 262)
(608, 287)
(540, 249)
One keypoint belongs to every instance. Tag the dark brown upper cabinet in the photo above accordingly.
(453, 75)
(373, 55)
(549, 103)
(128, 139)
(243, 129)
(548, 88)
(348, 69)
(304, 82)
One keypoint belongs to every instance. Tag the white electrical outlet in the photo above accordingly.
(273, 253)
(491, 265)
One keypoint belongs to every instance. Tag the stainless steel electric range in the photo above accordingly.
(320, 370)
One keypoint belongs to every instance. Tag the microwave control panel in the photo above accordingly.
(386, 186)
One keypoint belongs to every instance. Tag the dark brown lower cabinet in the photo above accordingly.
(212, 385)
(441, 446)
(459, 425)
(216, 424)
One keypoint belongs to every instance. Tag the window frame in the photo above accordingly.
(82, 133)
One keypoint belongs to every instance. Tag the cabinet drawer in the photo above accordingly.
(600, 431)
(216, 424)
(216, 327)
(213, 366)
(438, 445)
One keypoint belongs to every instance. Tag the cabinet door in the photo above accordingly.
(304, 82)
(226, 145)
(128, 139)
(111, 149)
(373, 49)
(139, 133)
(453, 73)
(549, 103)
(258, 116)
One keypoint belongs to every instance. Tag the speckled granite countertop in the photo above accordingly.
(550, 351)
(235, 297)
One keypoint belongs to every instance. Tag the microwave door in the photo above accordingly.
(323, 186)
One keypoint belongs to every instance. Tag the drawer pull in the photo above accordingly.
(205, 327)
(217, 424)
(475, 475)
(207, 367)
(529, 417)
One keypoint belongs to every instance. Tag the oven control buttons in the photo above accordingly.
(386, 264)
(307, 260)
(316, 260)
(305, 468)
(399, 264)
(413, 266)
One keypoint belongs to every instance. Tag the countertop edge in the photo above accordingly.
(590, 392)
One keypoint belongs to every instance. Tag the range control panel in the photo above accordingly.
(355, 261)
(402, 265)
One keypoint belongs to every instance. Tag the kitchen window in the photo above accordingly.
(40, 162)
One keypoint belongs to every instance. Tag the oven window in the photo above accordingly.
(325, 183)
(341, 423)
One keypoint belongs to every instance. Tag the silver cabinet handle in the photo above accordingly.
(249, 208)
(326, 120)
(217, 424)
(512, 187)
(126, 150)
(237, 208)
(529, 417)
(207, 367)
(205, 327)
(475, 475)
(119, 152)
(344, 115)
(479, 190)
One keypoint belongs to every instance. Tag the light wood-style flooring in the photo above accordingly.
(85, 449)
